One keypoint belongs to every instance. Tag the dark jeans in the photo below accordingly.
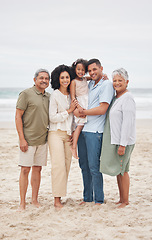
(89, 150)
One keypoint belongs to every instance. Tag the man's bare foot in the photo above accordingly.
(21, 207)
(36, 204)
(118, 202)
(82, 203)
(74, 153)
(122, 205)
(98, 204)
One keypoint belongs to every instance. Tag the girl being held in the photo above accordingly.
(79, 91)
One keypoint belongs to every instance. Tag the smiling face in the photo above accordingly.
(80, 70)
(119, 84)
(42, 81)
(64, 80)
(95, 72)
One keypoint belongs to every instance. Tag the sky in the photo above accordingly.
(44, 34)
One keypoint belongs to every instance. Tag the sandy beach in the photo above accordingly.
(74, 221)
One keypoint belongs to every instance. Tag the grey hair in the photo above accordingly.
(122, 72)
(41, 70)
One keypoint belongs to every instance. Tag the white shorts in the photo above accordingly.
(34, 156)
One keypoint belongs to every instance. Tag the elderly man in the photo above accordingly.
(32, 121)
(90, 140)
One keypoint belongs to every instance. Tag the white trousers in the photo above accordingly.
(61, 156)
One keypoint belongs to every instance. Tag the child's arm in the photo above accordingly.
(105, 77)
(72, 90)
(88, 78)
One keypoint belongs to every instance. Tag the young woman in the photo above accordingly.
(61, 120)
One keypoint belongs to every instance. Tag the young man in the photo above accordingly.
(101, 93)
(32, 119)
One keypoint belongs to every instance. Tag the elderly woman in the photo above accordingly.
(119, 135)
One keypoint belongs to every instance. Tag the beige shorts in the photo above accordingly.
(34, 156)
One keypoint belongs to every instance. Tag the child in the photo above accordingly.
(79, 91)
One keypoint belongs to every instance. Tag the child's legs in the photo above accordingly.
(76, 135)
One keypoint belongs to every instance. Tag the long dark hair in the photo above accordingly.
(55, 74)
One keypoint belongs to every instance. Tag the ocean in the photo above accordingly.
(8, 98)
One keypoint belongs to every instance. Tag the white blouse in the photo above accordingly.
(122, 120)
(58, 115)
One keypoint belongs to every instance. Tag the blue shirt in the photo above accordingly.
(103, 91)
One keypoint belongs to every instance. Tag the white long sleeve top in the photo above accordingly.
(58, 116)
(122, 117)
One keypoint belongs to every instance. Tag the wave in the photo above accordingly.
(8, 99)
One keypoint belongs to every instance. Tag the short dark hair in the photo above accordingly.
(74, 64)
(55, 74)
(94, 60)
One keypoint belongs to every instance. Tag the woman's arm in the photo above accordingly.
(73, 105)
(121, 150)
(56, 116)
(128, 123)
